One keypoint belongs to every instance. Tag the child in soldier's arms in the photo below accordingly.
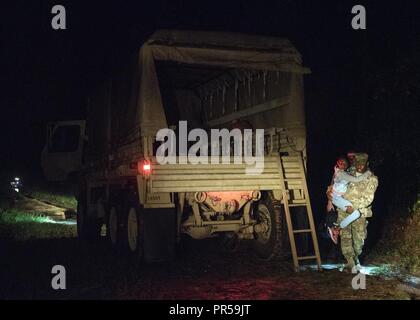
(340, 181)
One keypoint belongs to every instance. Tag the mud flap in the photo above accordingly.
(159, 234)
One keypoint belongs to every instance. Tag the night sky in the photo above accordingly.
(46, 74)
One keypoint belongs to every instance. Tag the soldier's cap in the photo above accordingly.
(361, 158)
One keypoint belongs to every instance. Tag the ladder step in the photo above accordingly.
(306, 258)
(302, 231)
(297, 203)
(290, 158)
(292, 170)
(292, 175)
(300, 201)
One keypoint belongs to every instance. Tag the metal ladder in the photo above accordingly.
(295, 194)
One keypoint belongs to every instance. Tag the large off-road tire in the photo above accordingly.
(132, 232)
(113, 229)
(271, 243)
(88, 229)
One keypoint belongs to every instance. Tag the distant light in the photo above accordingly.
(17, 179)
(17, 189)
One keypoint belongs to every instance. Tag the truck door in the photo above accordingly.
(63, 151)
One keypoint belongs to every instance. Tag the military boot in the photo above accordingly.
(358, 265)
(349, 266)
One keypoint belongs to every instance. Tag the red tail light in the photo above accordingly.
(144, 168)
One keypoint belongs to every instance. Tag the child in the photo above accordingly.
(340, 182)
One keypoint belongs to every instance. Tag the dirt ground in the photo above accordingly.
(29, 250)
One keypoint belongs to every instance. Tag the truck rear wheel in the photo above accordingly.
(132, 232)
(270, 240)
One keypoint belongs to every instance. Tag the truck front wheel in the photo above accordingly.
(88, 229)
(269, 243)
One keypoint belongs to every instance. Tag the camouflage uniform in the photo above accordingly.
(352, 170)
(361, 196)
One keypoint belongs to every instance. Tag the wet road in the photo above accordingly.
(201, 270)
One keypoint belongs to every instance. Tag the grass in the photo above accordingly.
(26, 225)
(400, 245)
(62, 200)
(13, 216)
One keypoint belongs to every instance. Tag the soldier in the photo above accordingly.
(351, 156)
(361, 195)
(341, 180)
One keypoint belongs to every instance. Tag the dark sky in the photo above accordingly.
(46, 74)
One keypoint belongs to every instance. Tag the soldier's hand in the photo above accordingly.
(329, 193)
(329, 206)
(349, 209)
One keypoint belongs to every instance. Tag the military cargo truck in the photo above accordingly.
(210, 80)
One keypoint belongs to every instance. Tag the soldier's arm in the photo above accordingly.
(329, 192)
(348, 177)
(366, 196)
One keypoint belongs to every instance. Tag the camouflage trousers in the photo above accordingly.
(352, 237)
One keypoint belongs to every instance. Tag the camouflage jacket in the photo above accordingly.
(361, 195)
(352, 170)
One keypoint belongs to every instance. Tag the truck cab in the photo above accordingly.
(62, 155)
